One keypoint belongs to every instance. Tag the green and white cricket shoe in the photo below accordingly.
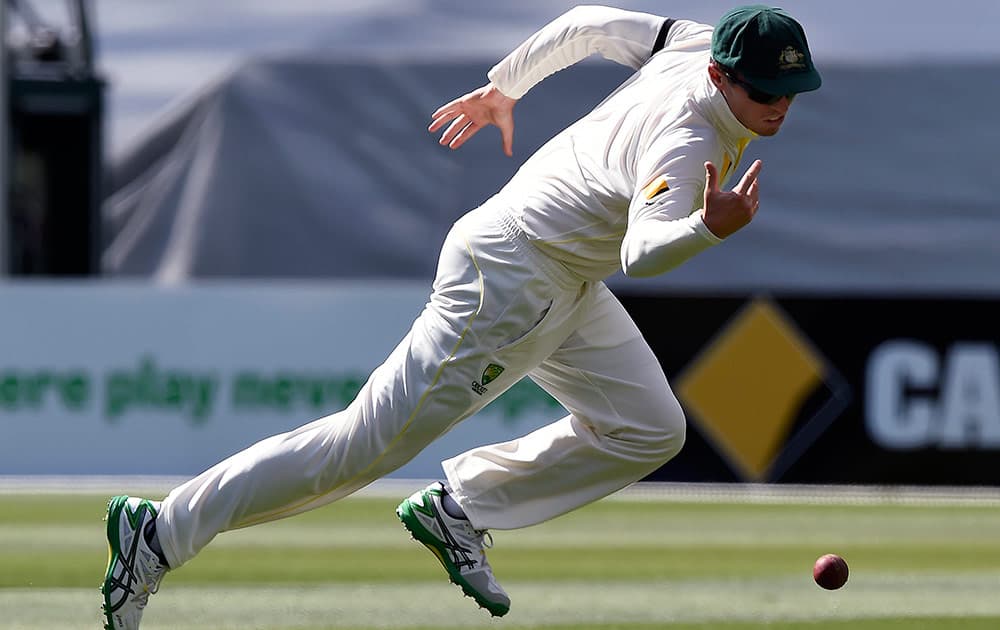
(134, 570)
(459, 547)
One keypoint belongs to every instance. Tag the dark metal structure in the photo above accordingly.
(54, 143)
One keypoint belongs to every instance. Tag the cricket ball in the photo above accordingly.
(830, 571)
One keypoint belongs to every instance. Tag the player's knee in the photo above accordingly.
(670, 433)
(654, 441)
(674, 441)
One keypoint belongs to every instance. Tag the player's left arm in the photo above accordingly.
(681, 211)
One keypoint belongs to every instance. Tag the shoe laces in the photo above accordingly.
(481, 536)
(153, 572)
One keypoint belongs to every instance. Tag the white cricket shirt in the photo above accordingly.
(619, 189)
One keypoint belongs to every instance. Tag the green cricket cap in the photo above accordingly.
(768, 49)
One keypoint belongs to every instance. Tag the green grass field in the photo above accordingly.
(618, 564)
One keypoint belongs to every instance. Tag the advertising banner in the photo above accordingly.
(109, 378)
(114, 378)
(831, 390)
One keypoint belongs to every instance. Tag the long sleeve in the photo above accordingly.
(626, 37)
(665, 228)
(657, 246)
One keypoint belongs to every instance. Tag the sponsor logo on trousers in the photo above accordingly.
(490, 374)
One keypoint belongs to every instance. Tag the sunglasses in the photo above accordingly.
(755, 95)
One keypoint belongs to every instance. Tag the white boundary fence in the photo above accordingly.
(769, 494)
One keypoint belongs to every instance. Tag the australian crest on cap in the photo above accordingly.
(791, 59)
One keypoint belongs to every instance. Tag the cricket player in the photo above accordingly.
(636, 185)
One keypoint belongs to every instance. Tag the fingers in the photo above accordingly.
(711, 178)
(449, 109)
(454, 130)
(458, 132)
(754, 194)
(507, 136)
(749, 178)
(754, 191)
(439, 120)
(467, 132)
(443, 114)
(463, 117)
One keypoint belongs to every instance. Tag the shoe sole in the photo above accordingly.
(420, 534)
(113, 516)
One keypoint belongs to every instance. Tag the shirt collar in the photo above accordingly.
(713, 106)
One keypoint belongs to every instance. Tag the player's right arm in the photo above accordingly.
(470, 113)
(627, 37)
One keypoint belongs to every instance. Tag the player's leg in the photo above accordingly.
(542, 311)
(415, 395)
(484, 295)
(624, 423)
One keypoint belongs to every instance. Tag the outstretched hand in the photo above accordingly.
(727, 212)
(470, 113)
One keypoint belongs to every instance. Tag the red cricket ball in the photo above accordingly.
(830, 571)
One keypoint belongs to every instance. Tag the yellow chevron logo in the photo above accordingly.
(655, 187)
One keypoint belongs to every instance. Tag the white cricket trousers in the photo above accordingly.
(499, 310)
